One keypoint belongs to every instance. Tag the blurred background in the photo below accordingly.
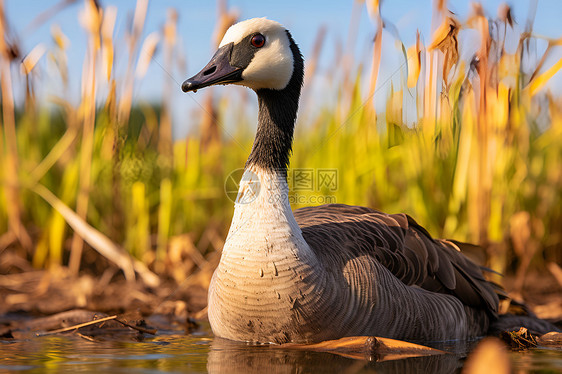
(449, 111)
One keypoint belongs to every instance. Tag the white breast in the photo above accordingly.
(258, 281)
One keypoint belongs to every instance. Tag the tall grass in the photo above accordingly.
(480, 163)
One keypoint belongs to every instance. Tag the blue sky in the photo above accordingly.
(304, 18)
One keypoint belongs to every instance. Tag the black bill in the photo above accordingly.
(217, 71)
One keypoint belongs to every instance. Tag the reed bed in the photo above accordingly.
(479, 162)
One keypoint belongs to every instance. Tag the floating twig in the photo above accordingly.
(75, 327)
(89, 338)
(80, 325)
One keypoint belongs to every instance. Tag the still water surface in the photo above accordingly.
(200, 353)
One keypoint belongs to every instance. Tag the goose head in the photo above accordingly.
(262, 55)
(256, 53)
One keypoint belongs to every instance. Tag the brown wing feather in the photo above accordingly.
(401, 245)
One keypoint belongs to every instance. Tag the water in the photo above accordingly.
(200, 353)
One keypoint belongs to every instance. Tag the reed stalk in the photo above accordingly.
(91, 20)
(9, 158)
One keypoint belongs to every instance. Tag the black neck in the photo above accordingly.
(276, 120)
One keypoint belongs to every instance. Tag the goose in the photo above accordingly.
(330, 271)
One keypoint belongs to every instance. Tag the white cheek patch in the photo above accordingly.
(272, 65)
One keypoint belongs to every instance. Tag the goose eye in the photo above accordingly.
(258, 40)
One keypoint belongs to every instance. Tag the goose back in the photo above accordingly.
(401, 245)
